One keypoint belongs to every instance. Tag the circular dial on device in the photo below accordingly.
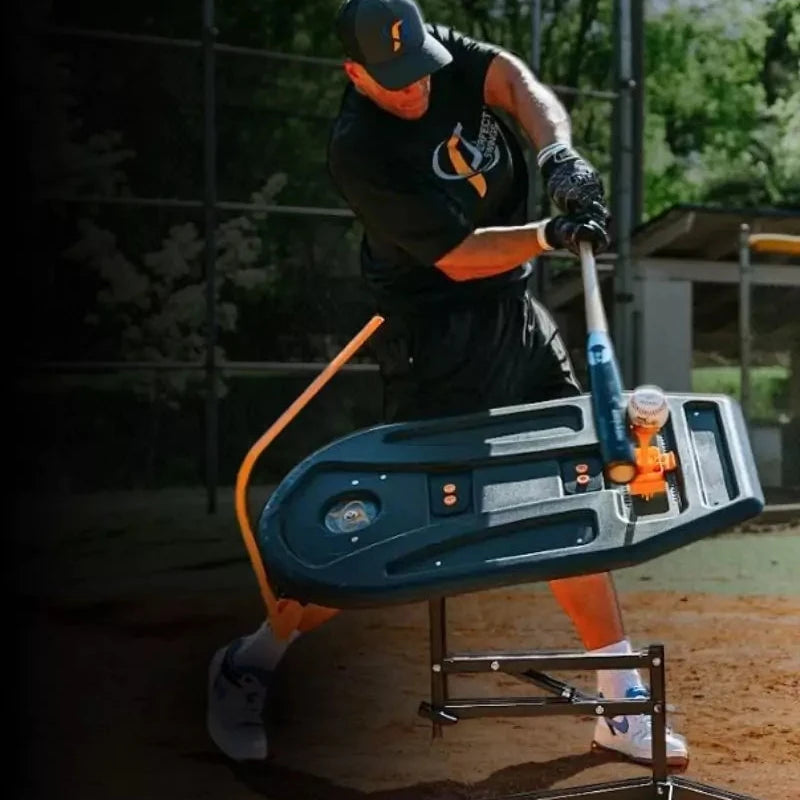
(351, 514)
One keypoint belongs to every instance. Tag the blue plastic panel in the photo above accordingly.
(402, 513)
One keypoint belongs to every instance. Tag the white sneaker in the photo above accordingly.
(236, 700)
(632, 736)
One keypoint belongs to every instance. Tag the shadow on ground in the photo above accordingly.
(280, 783)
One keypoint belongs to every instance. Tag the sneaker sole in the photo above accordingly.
(676, 762)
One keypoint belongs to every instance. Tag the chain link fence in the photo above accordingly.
(187, 233)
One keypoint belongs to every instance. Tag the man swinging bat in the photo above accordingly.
(439, 183)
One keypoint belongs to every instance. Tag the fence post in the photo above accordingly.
(745, 339)
(535, 189)
(623, 190)
(209, 205)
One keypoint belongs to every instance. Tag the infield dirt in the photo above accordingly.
(126, 599)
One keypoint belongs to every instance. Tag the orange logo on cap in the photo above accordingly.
(397, 42)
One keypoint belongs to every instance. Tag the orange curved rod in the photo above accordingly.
(783, 243)
(286, 615)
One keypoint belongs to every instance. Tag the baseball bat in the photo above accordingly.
(605, 383)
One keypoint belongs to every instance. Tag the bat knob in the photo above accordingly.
(621, 472)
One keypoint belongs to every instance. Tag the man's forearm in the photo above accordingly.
(491, 251)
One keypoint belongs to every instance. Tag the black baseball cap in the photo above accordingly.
(388, 38)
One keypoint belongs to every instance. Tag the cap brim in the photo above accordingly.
(411, 66)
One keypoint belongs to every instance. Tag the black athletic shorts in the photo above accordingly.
(498, 351)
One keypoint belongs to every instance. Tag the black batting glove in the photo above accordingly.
(566, 232)
(573, 184)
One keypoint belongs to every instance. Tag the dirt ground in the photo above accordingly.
(125, 600)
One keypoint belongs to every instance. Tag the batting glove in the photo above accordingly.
(566, 232)
(573, 184)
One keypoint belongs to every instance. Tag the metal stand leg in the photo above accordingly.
(437, 613)
(658, 694)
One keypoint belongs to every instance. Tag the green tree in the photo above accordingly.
(153, 308)
(721, 98)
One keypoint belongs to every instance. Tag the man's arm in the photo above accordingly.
(573, 184)
(424, 222)
(510, 85)
(489, 251)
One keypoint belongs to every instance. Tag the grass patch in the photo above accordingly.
(769, 387)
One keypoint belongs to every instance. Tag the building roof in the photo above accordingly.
(710, 233)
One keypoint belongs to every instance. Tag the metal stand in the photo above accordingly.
(445, 710)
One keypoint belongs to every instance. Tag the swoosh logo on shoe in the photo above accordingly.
(618, 727)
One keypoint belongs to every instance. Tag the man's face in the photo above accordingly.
(410, 102)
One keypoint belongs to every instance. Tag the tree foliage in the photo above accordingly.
(154, 308)
(722, 100)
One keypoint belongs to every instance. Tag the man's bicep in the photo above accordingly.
(498, 88)
(417, 219)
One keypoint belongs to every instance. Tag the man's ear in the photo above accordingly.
(352, 71)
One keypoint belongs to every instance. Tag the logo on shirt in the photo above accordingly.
(459, 159)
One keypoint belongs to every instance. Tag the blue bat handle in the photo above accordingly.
(609, 409)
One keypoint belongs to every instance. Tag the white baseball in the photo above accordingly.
(647, 407)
